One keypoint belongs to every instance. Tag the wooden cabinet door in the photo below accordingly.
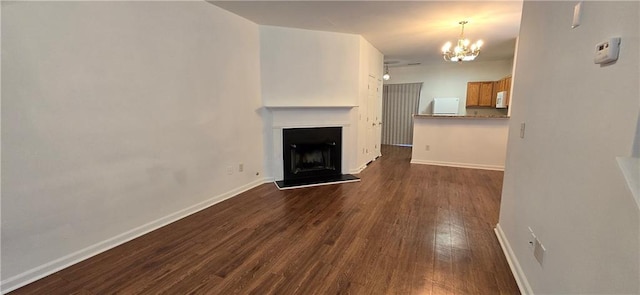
(507, 88)
(501, 85)
(496, 89)
(473, 93)
(486, 93)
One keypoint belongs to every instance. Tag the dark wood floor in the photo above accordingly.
(404, 229)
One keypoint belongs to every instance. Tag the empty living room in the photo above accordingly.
(242, 147)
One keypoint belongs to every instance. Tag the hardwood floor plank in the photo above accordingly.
(403, 229)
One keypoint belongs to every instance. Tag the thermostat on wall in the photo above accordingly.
(607, 51)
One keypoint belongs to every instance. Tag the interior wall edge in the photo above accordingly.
(514, 265)
(58, 264)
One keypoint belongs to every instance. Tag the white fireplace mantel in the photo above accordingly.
(310, 107)
(283, 117)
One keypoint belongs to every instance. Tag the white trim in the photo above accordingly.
(315, 184)
(268, 180)
(358, 170)
(518, 274)
(364, 166)
(51, 267)
(310, 125)
(459, 165)
(310, 107)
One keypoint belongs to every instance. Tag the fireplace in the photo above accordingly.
(312, 156)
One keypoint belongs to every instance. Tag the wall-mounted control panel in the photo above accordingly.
(607, 51)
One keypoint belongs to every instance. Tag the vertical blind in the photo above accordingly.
(399, 103)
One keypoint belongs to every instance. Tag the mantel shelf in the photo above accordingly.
(310, 107)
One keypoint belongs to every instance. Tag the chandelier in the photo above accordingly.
(462, 51)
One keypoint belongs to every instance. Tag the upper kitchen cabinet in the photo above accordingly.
(483, 94)
(508, 89)
(473, 93)
(503, 84)
(486, 93)
(480, 94)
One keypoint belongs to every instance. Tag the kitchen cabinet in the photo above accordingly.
(486, 93)
(507, 88)
(503, 84)
(480, 94)
(496, 88)
(473, 93)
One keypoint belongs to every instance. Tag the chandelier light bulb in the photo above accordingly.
(386, 75)
(446, 47)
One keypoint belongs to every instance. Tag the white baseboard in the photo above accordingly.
(364, 166)
(358, 170)
(51, 267)
(459, 165)
(521, 279)
(268, 180)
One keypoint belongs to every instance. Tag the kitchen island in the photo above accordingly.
(469, 141)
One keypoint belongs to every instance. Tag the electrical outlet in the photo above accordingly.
(427, 148)
(229, 170)
(522, 125)
(240, 167)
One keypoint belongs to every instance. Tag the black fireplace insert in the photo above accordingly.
(311, 153)
(312, 156)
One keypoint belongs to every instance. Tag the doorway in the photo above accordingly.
(399, 104)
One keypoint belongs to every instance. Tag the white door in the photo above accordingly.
(378, 119)
(372, 120)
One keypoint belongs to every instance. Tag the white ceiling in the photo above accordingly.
(404, 31)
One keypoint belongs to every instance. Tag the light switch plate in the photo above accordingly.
(577, 15)
(532, 240)
(538, 251)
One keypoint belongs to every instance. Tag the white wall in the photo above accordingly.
(562, 179)
(308, 68)
(118, 117)
(447, 79)
(460, 142)
(304, 71)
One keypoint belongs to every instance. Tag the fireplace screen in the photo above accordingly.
(311, 153)
(311, 157)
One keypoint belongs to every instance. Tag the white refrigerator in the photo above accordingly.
(445, 106)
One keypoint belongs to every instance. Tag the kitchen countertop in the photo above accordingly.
(461, 117)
